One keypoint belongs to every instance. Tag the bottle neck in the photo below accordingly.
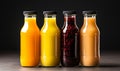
(30, 16)
(90, 19)
(49, 19)
(30, 20)
(70, 19)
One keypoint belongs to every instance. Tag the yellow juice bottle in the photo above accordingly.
(50, 40)
(29, 40)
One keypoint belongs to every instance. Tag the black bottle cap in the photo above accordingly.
(89, 12)
(29, 12)
(49, 12)
(69, 12)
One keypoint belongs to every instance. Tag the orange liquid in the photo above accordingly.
(29, 43)
(89, 43)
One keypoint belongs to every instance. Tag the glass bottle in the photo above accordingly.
(70, 40)
(29, 40)
(50, 40)
(89, 40)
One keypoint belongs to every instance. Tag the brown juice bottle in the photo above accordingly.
(89, 40)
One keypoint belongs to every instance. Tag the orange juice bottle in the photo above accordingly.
(50, 40)
(89, 40)
(29, 40)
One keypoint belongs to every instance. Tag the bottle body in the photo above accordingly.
(90, 41)
(70, 41)
(50, 42)
(29, 42)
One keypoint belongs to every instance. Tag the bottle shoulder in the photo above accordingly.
(50, 30)
(29, 29)
(73, 29)
(89, 31)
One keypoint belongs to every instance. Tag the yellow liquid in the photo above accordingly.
(29, 43)
(50, 43)
(89, 43)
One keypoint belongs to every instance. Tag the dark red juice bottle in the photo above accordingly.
(70, 54)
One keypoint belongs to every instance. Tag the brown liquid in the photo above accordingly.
(89, 42)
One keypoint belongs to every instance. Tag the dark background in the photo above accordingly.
(12, 19)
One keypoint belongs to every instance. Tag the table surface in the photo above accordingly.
(110, 61)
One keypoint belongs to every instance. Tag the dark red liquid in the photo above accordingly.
(70, 54)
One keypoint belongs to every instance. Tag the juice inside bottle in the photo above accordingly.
(69, 40)
(90, 40)
(50, 40)
(29, 40)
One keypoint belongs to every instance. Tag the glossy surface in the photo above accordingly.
(50, 43)
(29, 43)
(89, 42)
(70, 42)
(110, 61)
